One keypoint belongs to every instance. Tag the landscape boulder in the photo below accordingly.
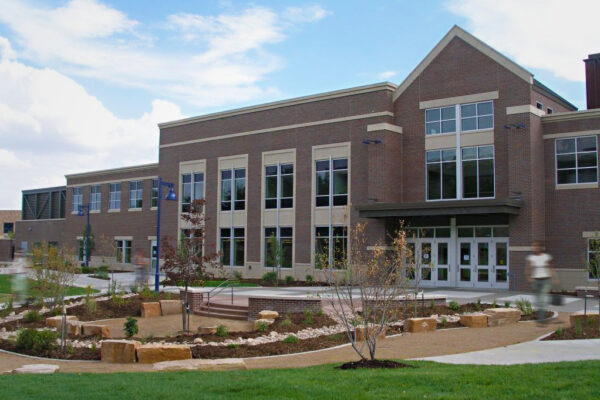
(36, 369)
(415, 325)
(102, 331)
(579, 316)
(475, 320)
(150, 310)
(502, 316)
(156, 352)
(74, 327)
(170, 307)
(359, 331)
(207, 330)
(223, 364)
(56, 322)
(119, 351)
(259, 322)
(268, 314)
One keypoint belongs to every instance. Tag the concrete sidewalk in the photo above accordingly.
(527, 353)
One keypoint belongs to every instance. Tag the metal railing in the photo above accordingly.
(228, 283)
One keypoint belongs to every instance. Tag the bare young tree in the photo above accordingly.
(53, 271)
(365, 292)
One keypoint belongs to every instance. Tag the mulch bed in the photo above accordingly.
(589, 330)
(365, 363)
(534, 316)
(76, 353)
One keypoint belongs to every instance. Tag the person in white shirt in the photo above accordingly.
(539, 271)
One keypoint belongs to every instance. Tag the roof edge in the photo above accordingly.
(545, 90)
(46, 189)
(570, 115)
(282, 103)
(112, 170)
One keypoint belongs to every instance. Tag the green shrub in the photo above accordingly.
(286, 323)
(118, 300)
(524, 306)
(32, 316)
(145, 292)
(444, 322)
(133, 289)
(168, 296)
(55, 311)
(270, 277)
(87, 270)
(453, 305)
(494, 304)
(40, 342)
(507, 304)
(308, 317)
(289, 279)
(578, 328)
(432, 304)
(90, 301)
(233, 345)
(478, 305)
(70, 349)
(262, 327)
(222, 331)
(560, 331)
(309, 279)
(7, 308)
(335, 336)
(291, 339)
(320, 313)
(130, 327)
(94, 348)
(237, 275)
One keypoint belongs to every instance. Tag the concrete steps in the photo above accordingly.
(225, 311)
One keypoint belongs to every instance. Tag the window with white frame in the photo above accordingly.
(123, 251)
(279, 186)
(593, 258)
(233, 189)
(77, 200)
(478, 172)
(95, 198)
(576, 160)
(333, 192)
(476, 116)
(114, 196)
(237, 237)
(135, 194)
(195, 240)
(339, 236)
(282, 245)
(192, 188)
(441, 174)
(154, 198)
(440, 120)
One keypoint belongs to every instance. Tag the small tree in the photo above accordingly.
(53, 271)
(275, 256)
(186, 261)
(593, 262)
(366, 290)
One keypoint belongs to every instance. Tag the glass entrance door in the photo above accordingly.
(483, 263)
(500, 270)
(443, 271)
(427, 265)
(465, 263)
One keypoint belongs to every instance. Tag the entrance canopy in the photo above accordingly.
(440, 208)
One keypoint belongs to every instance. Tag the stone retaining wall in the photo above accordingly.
(402, 302)
(281, 304)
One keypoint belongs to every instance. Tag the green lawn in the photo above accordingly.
(5, 288)
(577, 380)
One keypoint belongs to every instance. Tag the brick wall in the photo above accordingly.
(194, 299)
(6, 250)
(281, 305)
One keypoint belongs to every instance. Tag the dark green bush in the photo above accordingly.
(453, 305)
(40, 342)
(262, 327)
(289, 279)
(32, 316)
(291, 339)
(308, 317)
(222, 331)
(270, 277)
(309, 279)
(130, 327)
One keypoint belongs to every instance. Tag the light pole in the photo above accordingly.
(80, 213)
(170, 196)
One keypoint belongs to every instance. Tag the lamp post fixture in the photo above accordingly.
(80, 213)
(170, 196)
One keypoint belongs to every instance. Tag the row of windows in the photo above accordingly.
(473, 117)
(576, 160)
(114, 196)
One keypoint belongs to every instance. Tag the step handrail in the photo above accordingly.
(219, 288)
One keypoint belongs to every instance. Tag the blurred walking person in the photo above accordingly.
(539, 271)
(141, 269)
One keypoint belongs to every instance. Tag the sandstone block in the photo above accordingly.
(119, 351)
(74, 328)
(268, 314)
(96, 330)
(155, 352)
(56, 322)
(259, 322)
(359, 331)
(207, 330)
(150, 310)
(502, 316)
(415, 325)
(223, 364)
(36, 369)
(169, 307)
(476, 320)
(579, 316)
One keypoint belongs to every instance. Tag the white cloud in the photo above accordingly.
(550, 34)
(387, 74)
(224, 54)
(51, 126)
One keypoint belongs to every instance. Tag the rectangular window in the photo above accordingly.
(233, 189)
(335, 192)
(539, 105)
(235, 235)
(8, 227)
(441, 174)
(195, 238)
(135, 194)
(593, 258)
(440, 120)
(340, 246)
(279, 186)
(478, 172)
(576, 160)
(95, 198)
(77, 199)
(477, 116)
(123, 251)
(154, 201)
(550, 111)
(192, 188)
(284, 245)
(114, 196)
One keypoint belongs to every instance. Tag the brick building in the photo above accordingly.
(470, 151)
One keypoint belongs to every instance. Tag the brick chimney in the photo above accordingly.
(592, 78)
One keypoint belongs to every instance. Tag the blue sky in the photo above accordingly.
(86, 81)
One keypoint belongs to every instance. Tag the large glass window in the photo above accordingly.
(441, 174)
(114, 196)
(192, 188)
(285, 244)
(440, 120)
(233, 189)
(593, 258)
(478, 171)
(135, 194)
(337, 192)
(77, 200)
(340, 246)
(95, 198)
(576, 160)
(237, 237)
(477, 116)
(279, 186)
(123, 251)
